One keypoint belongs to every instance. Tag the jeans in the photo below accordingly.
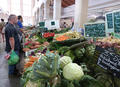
(13, 67)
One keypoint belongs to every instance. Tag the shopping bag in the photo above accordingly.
(14, 58)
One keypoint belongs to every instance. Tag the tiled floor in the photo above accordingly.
(5, 80)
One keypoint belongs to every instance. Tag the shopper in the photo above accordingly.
(19, 27)
(64, 25)
(12, 40)
(2, 28)
(1, 32)
(20, 21)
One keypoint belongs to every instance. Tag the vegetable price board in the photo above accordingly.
(109, 23)
(109, 60)
(117, 22)
(109, 20)
(95, 30)
(112, 22)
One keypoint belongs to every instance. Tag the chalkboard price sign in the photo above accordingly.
(117, 22)
(109, 20)
(95, 30)
(108, 60)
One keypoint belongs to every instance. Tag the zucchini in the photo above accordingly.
(81, 44)
(69, 42)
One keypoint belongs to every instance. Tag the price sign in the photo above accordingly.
(95, 30)
(110, 61)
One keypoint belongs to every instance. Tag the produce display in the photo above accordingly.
(62, 38)
(34, 43)
(68, 60)
(67, 36)
(46, 35)
(46, 72)
(64, 61)
(72, 71)
(31, 43)
(30, 61)
(55, 45)
(61, 31)
(109, 42)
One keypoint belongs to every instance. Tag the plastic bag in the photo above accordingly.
(14, 58)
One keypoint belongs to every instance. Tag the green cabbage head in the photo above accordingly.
(73, 71)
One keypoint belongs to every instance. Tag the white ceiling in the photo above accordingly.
(98, 2)
(97, 7)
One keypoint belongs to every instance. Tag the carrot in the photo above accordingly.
(32, 59)
(52, 51)
(62, 38)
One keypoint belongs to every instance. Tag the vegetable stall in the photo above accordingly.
(67, 59)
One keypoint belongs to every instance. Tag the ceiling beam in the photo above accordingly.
(72, 1)
(68, 2)
(64, 4)
(109, 2)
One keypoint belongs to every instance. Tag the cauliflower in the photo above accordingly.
(73, 71)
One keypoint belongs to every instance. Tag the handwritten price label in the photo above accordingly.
(110, 61)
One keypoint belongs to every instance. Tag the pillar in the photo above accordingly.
(42, 13)
(35, 17)
(21, 7)
(57, 10)
(81, 13)
(38, 15)
(9, 5)
(46, 10)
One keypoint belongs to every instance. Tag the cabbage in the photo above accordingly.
(79, 52)
(31, 84)
(73, 71)
(64, 61)
(70, 54)
(90, 50)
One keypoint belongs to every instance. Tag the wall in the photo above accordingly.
(68, 11)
